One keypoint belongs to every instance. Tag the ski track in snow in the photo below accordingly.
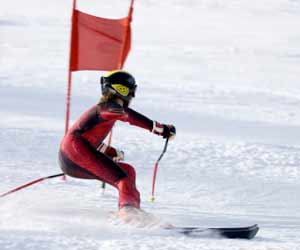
(230, 84)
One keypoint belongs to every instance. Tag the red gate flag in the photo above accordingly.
(96, 44)
(99, 43)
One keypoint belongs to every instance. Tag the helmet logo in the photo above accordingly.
(121, 89)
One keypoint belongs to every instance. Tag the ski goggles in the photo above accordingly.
(121, 89)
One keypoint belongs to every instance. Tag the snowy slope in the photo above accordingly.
(226, 73)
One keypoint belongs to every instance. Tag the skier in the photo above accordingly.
(82, 152)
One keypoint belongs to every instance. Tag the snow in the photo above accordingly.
(226, 73)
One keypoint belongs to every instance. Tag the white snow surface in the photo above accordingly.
(226, 73)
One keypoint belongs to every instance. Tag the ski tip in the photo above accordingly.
(248, 232)
(240, 233)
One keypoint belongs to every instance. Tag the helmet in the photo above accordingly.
(119, 83)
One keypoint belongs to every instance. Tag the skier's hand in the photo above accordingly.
(166, 131)
(169, 132)
(113, 153)
(119, 156)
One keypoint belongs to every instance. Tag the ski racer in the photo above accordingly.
(83, 154)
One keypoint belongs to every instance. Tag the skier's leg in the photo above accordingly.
(91, 162)
(83, 161)
(72, 169)
(128, 193)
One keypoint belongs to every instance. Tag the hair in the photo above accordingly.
(106, 97)
(112, 97)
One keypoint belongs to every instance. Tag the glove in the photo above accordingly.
(115, 154)
(118, 155)
(166, 131)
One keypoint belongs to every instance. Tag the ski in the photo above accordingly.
(231, 233)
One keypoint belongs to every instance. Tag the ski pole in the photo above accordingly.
(30, 183)
(152, 199)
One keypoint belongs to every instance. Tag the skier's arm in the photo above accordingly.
(116, 112)
(137, 119)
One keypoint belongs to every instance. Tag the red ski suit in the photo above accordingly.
(79, 157)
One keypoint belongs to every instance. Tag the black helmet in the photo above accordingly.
(120, 83)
